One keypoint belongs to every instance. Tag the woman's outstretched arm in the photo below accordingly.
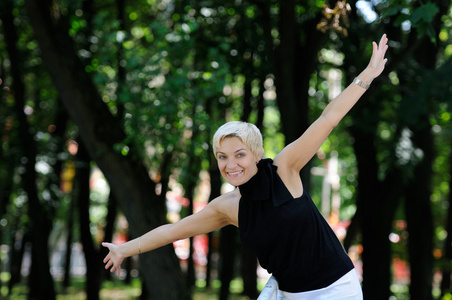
(218, 213)
(297, 154)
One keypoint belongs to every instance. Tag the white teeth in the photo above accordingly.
(234, 173)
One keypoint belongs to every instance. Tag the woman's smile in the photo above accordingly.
(235, 160)
(234, 174)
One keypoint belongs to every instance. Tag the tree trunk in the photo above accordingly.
(190, 182)
(110, 226)
(249, 276)
(128, 178)
(227, 255)
(215, 191)
(446, 267)
(376, 253)
(40, 281)
(18, 244)
(7, 165)
(419, 219)
(292, 107)
(377, 201)
(92, 256)
(353, 229)
(70, 234)
(293, 63)
(419, 188)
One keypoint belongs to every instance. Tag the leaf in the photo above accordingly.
(424, 13)
(393, 10)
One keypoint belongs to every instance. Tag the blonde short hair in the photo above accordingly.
(247, 132)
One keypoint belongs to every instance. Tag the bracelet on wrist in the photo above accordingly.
(361, 83)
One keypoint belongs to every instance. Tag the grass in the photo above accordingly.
(201, 293)
(119, 290)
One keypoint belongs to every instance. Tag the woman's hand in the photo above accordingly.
(113, 258)
(378, 60)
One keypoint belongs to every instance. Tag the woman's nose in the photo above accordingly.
(232, 163)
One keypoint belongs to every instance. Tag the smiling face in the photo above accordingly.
(235, 160)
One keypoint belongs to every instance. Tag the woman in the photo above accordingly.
(275, 216)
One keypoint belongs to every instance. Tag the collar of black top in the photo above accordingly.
(266, 185)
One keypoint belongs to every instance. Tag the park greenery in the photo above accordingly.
(136, 88)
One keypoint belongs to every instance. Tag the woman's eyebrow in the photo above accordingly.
(238, 150)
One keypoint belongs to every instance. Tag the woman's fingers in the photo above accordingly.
(383, 40)
(109, 253)
(378, 60)
(380, 50)
(108, 265)
(111, 264)
(383, 46)
(108, 260)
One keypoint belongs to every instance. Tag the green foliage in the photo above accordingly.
(420, 17)
(447, 296)
(173, 71)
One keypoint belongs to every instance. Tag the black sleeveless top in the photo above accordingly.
(290, 237)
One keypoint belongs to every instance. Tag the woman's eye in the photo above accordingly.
(241, 155)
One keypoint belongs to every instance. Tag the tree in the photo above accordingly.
(40, 280)
(146, 86)
(380, 181)
(128, 178)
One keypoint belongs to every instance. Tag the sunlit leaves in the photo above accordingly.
(76, 25)
(249, 11)
(133, 16)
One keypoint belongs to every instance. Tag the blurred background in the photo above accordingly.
(107, 111)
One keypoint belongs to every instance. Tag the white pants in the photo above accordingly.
(345, 288)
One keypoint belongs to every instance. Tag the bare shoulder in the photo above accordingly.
(228, 205)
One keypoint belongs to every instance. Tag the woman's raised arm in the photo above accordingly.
(297, 154)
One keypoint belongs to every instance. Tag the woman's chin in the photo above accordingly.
(236, 181)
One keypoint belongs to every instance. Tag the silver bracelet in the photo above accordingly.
(361, 83)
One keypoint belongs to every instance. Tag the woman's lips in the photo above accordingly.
(235, 174)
